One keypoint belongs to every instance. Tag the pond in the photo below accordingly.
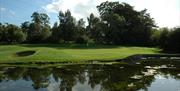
(90, 77)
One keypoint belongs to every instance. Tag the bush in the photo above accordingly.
(19, 36)
(174, 40)
(11, 34)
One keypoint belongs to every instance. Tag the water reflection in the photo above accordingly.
(83, 78)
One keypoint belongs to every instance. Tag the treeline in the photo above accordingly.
(118, 24)
(167, 39)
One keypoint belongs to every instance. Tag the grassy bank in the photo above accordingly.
(68, 53)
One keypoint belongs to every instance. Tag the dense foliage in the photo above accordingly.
(119, 23)
(11, 34)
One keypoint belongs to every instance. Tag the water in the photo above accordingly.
(90, 77)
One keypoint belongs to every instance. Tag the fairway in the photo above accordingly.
(68, 53)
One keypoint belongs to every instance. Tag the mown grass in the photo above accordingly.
(68, 52)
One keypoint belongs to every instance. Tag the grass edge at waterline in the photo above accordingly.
(69, 52)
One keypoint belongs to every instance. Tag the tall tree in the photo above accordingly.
(36, 18)
(25, 26)
(10, 33)
(56, 33)
(174, 40)
(93, 28)
(39, 28)
(81, 36)
(2, 27)
(163, 39)
(67, 26)
(126, 25)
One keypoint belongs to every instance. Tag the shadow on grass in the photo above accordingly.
(71, 46)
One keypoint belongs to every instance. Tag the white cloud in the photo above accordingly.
(165, 12)
(2, 9)
(79, 8)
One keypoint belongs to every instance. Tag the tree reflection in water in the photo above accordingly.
(108, 77)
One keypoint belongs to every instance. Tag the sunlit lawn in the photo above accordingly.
(69, 53)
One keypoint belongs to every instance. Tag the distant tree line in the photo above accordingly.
(118, 24)
(167, 39)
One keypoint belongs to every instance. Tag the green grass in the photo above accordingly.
(69, 52)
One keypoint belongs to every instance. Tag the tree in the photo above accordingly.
(173, 44)
(2, 27)
(155, 37)
(56, 33)
(81, 36)
(125, 24)
(93, 28)
(36, 18)
(25, 26)
(44, 19)
(11, 34)
(67, 26)
(39, 29)
(45, 34)
(163, 39)
(115, 25)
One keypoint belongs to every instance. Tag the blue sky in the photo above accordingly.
(18, 11)
(165, 12)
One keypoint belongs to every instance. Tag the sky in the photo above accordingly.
(166, 13)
